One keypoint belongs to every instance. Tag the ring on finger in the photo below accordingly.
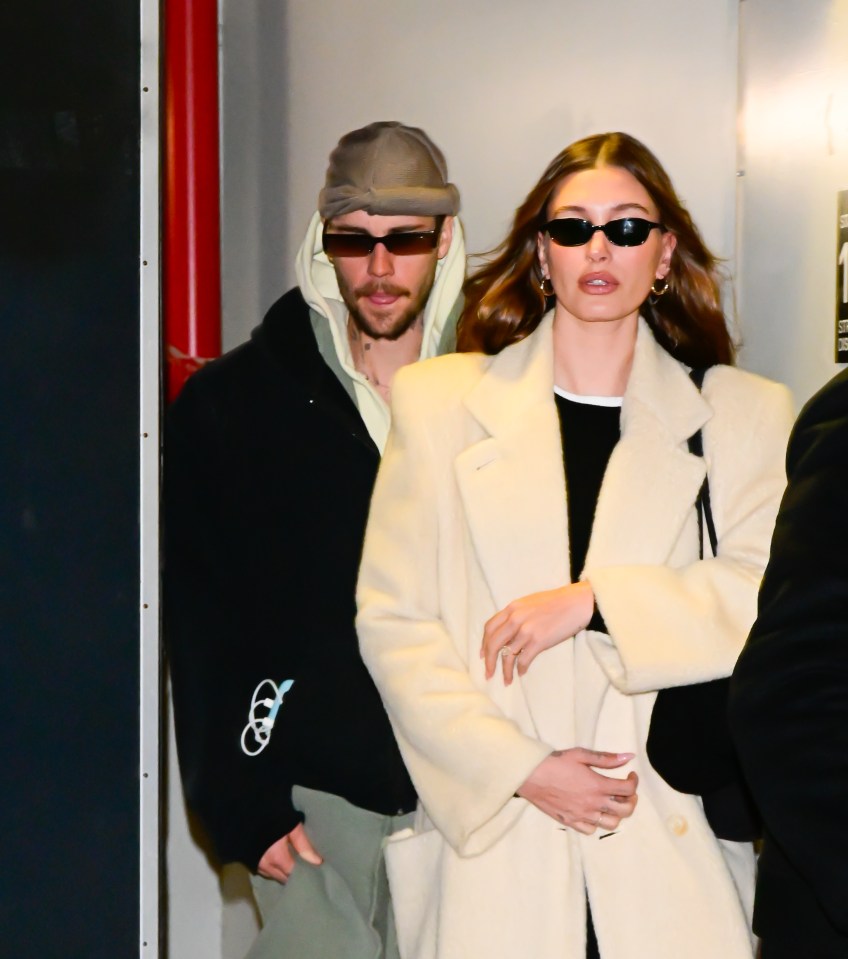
(507, 651)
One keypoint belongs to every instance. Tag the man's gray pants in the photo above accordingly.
(341, 909)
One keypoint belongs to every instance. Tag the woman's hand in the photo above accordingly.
(566, 788)
(521, 630)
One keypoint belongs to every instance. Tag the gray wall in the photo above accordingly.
(502, 87)
(794, 154)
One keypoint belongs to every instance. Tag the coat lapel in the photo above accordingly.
(652, 480)
(512, 484)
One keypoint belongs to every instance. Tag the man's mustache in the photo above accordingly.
(369, 289)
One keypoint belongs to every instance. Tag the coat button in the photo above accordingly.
(677, 825)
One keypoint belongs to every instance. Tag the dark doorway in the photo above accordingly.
(69, 481)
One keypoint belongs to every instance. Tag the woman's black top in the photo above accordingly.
(590, 428)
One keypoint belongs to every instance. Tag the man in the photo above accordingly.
(286, 753)
(789, 696)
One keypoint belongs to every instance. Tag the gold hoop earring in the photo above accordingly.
(550, 290)
(663, 289)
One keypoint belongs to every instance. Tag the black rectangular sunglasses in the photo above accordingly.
(363, 244)
(626, 231)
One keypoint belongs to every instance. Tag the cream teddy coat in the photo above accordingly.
(469, 513)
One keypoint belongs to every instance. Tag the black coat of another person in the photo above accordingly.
(789, 696)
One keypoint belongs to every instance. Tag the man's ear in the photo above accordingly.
(445, 237)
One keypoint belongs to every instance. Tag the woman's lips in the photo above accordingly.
(598, 284)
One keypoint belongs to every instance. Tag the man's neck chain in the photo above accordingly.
(363, 348)
(360, 348)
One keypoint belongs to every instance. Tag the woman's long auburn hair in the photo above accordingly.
(503, 299)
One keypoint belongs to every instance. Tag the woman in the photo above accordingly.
(531, 577)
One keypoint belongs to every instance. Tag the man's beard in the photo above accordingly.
(371, 326)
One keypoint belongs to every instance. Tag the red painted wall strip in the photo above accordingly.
(191, 216)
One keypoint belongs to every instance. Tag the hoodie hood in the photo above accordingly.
(317, 281)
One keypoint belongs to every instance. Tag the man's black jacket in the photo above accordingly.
(268, 472)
